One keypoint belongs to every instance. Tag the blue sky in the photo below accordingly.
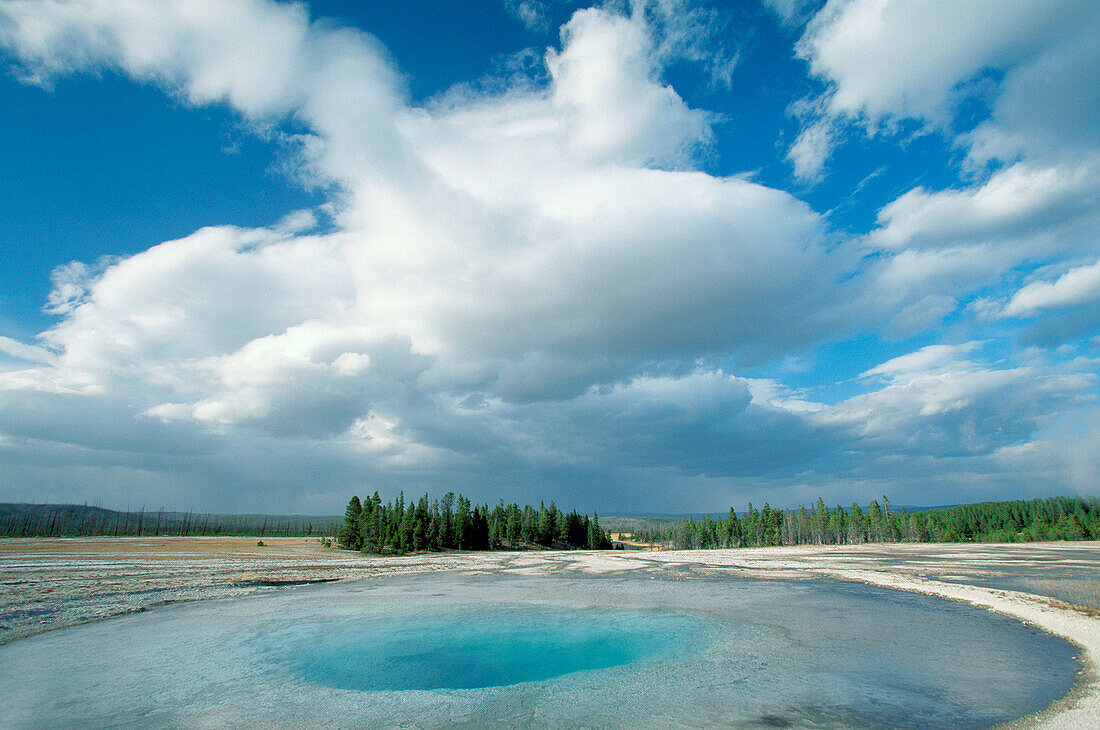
(653, 256)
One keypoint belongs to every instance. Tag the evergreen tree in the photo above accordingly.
(405, 542)
(820, 521)
(422, 523)
(562, 523)
(803, 526)
(856, 531)
(754, 531)
(370, 525)
(462, 520)
(838, 526)
(515, 525)
(733, 530)
(497, 527)
(349, 534)
(478, 532)
(875, 522)
(447, 527)
(889, 530)
(578, 531)
(545, 526)
(530, 530)
(597, 540)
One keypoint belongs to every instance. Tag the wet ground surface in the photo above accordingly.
(1066, 572)
(49, 583)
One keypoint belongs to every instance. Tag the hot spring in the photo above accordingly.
(471, 649)
(507, 650)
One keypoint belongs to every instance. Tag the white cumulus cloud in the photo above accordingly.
(1077, 286)
(535, 284)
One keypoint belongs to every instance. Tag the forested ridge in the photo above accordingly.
(454, 523)
(75, 520)
(1056, 518)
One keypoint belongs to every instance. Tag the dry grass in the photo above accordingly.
(273, 547)
(627, 539)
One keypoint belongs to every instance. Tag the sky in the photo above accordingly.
(658, 256)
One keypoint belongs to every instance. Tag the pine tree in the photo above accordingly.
(838, 525)
(733, 530)
(874, 520)
(530, 529)
(545, 526)
(349, 534)
(447, 530)
(595, 534)
(514, 525)
(462, 524)
(820, 521)
(856, 532)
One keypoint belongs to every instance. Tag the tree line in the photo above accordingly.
(454, 523)
(73, 520)
(1056, 518)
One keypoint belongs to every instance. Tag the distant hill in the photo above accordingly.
(636, 521)
(57, 520)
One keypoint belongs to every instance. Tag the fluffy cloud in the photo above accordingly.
(1030, 64)
(606, 96)
(896, 59)
(197, 297)
(193, 48)
(1041, 209)
(1070, 304)
(22, 351)
(517, 249)
(1078, 285)
(1008, 84)
(535, 284)
(811, 150)
(936, 402)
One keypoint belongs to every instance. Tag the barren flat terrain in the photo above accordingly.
(50, 583)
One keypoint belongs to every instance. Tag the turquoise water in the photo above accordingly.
(467, 650)
(558, 651)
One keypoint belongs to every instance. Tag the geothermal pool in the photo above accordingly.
(470, 649)
(507, 650)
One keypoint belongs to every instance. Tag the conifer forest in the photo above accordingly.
(451, 523)
(454, 523)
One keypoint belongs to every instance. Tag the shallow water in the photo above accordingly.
(543, 651)
(469, 649)
(1072, 576)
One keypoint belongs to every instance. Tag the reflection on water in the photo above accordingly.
(523, 651)
(1072, 576)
